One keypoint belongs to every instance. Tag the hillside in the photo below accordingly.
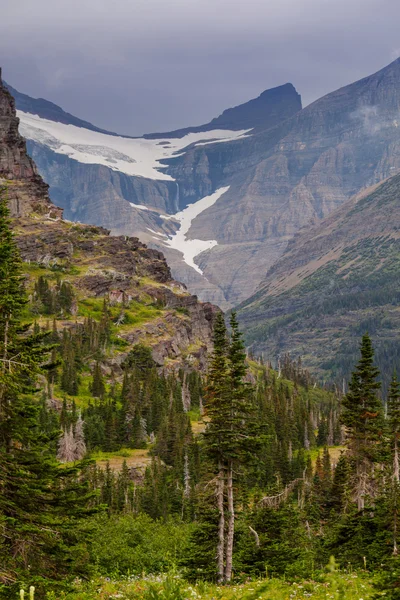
(337, 280)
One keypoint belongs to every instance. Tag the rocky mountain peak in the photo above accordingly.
(27, 191)
(263, 112)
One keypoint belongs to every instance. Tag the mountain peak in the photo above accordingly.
(261, 113)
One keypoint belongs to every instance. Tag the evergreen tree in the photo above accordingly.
(394, 434)
(228, 434)
(98, 388)
(394, 423)
(363, 419)
(38, 503)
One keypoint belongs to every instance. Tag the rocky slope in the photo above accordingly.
(292, 168)
(336, 280)
(149, 306)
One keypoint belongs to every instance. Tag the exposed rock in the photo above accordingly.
(27, 191)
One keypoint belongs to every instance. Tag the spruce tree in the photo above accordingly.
(228, 436)
(363, 419)
(394, 423)
(97, 387)
(393, 405)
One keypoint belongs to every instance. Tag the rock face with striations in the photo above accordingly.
(109, 196)
(26, 189)
(174, 324)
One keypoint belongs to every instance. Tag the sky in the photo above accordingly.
(141, 66)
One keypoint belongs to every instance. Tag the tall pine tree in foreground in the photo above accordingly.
(227, 435)
(39, 502)
(363, 418)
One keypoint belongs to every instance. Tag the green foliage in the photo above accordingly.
(40, 505)
(137, 544)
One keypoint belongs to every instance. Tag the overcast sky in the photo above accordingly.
(138, 66)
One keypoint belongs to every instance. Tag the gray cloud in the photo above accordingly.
(146, 65)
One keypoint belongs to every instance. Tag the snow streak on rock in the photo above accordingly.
(179, 241)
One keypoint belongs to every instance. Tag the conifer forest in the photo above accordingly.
(237, 481)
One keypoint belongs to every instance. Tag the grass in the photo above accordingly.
(138, 458)
(333, 586)
(135, 314)
(334, 453)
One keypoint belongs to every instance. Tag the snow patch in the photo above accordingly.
(140, 206)
(134, 156)
(192, 248)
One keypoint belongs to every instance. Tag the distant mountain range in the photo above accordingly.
(223, 200)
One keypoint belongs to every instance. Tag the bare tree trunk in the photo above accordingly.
(3, 368)
(396, 480)
(396, 470)
(256, 536)
(360, 488)
(186, 476)
(395, 549)
(231, 523)
(221, 524)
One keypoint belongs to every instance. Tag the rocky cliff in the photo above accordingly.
(26, 189)
(152, 307)
(336, 281)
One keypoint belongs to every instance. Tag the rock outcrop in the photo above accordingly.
(27, 191)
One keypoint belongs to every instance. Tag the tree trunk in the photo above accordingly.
(221, 524)
(231, 523)
(396, 470)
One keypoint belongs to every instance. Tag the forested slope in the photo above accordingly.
(337, 280)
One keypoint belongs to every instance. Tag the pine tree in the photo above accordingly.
(394, 434)
(98, 388)
(363, 419)
(394, 423)
(228, 435)
(217, 398)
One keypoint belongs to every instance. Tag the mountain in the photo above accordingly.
(146, 304)
(336, 281)
(111, 180)
(251, 187)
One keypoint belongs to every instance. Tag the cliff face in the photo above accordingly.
(336, 281)
(297, 173)
(26, 189)
(156, 310)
